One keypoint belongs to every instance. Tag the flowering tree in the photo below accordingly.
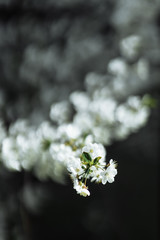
(81, 126)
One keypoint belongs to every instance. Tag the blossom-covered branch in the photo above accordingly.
(81, 128)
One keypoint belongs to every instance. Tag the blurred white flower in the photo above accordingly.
(103, 110)
(121, 132)
(10, 154)
(46, 132)
(84, 121)
(29, 149)
(102, 134)
(102, 93)
(68, 131)
(89, 139)
(130, 46)
(142, 69)
(118, 67)
(47, 167)
(19, 127)
(60, 112)
(61, 152)
(133, 114)
(94, 81)
(80, 101)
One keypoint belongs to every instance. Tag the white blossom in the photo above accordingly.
(102, 93)
(47, 167)
(94, 81)
(84, 121)
(29, 149)
(74, 167)
(46, 131)
(133, 114)
(68, 131)
(60, 112)
(103, 110)
(61, 152)
(142, 69)
(102, 134)
(75, 141)
(109, 174)
(121, 132)
(89, 139)
(130, 46)
(95, 150)
(19, 127)
(118, 67)
(10, 154)
(81, 188)
(96, 173)
(80, 101)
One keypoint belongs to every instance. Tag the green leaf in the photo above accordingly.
(96, 160)
(86, 157)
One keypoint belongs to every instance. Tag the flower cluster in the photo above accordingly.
(81, 126)
(43, 151)
(92, 166)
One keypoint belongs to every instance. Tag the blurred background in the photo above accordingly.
(46, 50)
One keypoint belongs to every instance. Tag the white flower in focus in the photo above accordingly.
(96, 174)
(81, 188)
(95, 150)
(74, 167)
(109, 174)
